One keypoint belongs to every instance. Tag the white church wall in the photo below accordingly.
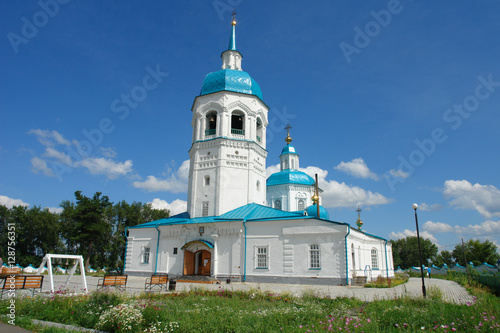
(363, 264)
(138, 242)
(288, 244)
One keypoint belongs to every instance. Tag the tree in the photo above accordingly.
(405, 252)
(477, 252)
(124, 215)
(444, 257)
(36, 233)
(86, 228)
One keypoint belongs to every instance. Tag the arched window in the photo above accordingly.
(277, 204)
(374, 259)
(353, 255)
(314, 256)
(359, 257)
(259, 130)
(237, 123)
(258, 185)
(211, 127)
(207, 181)
(204, 208)
(301, 205)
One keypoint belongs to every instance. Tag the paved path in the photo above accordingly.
(451, 291)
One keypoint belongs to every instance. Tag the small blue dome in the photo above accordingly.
(313, 211)
(290, 176)
(288, 149)
(230, 80)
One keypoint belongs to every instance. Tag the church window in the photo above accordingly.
(237, 123)
(259, 130)
(277, 204)
(175, 250)
(207, 180)
(293, 164)
(359, 257)
(314, 256)
(301, 205)
(258, 185)
(204, 208)
(145, 255)
(353, 255)
(211, 127)
(262, 257)
(374, 259)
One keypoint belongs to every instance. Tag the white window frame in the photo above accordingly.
(374, 255)
(146, 255)
(265, 249)
(314, 262)
(280, 204)
(303, 204)
(204, 208)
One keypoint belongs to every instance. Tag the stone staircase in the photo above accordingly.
(358, 281)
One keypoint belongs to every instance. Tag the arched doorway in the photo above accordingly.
(197, 258)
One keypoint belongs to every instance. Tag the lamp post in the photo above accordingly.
(415, 206)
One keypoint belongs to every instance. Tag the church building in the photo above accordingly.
(240, 225)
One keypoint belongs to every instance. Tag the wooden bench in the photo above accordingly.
(9, 271)
(117, 281)
(159, 281)
(17, 282)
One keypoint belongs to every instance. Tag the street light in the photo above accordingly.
(415, 206)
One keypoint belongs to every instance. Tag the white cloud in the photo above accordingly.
(59, 156)
(175, 182)
(437, 227)
(272, 169)
(399, 173)
(485, 229)
(108, 152)
(177, 206)
(106, 166)
(40, 165)
(100, 164)
(407, 233)
(57, 210)
(357, 168)
(434, 207)
(336, 195)
(9, 202)
(49, 138)
(463, 195)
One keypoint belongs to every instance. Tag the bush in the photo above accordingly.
(120, 318)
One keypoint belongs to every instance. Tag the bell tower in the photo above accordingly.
(228, 152)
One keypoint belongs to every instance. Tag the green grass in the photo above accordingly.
(258, 311)
(382, 282)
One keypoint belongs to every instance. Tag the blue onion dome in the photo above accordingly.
(290, 176)
(288, 149)
(230, 80)
(313, 211)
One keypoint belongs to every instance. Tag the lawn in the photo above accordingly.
(256, 311)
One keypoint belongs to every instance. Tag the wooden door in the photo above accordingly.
(188, 263)
(205, 263)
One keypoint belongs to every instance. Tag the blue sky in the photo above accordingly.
(391, 103)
